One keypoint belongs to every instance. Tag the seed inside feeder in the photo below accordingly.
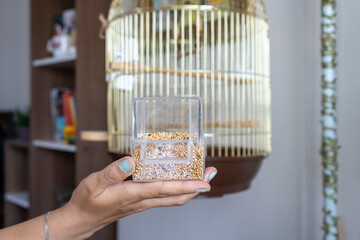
(163, 171)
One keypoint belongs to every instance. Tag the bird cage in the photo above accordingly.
(214, 49)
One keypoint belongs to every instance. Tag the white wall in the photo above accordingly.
(349, 115)
(285, 200)
(14, 54)
(279, 202)
(312, 181)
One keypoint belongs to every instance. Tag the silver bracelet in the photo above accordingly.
(46, 225)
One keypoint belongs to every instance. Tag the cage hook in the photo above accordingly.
(104, 25)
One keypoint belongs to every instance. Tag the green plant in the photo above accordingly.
(22, 118)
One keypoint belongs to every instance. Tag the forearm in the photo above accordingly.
(63, 223)
(32, 229)
(70, 223)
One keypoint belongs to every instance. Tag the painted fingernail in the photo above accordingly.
(125, 166)
(202, 190)
(212, 175)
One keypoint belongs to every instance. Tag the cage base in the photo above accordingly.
(235, 174)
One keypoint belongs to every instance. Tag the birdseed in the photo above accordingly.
(176, 150)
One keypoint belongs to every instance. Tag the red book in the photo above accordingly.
(67, 113)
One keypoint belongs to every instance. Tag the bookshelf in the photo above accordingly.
(56, 62)
(54, 166)
(56, 146)
(16, 199)
(19, 198)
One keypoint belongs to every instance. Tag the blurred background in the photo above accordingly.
(285, 198)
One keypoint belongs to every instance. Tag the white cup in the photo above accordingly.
(59, 45)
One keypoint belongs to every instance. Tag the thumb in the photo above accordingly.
(115, 172)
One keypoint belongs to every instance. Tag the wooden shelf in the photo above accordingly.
(18, 144)
(54, 165)
(56, 146)
(56, 62)
(20, 199)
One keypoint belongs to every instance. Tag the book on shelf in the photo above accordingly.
(63, 115)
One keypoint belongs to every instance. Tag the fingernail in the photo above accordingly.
(202, 190)
(125, 166)
(212, 175)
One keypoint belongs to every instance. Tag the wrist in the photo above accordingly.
(68, 222)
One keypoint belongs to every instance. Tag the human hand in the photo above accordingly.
(103, 197)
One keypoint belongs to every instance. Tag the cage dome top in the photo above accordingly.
(252, 7)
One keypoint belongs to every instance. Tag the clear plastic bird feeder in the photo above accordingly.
(168, 141)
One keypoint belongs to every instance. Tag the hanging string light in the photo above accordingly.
(329, 148)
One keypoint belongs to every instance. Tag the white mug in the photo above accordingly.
(59, 45)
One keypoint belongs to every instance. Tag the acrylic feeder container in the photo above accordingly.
(167, 139)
